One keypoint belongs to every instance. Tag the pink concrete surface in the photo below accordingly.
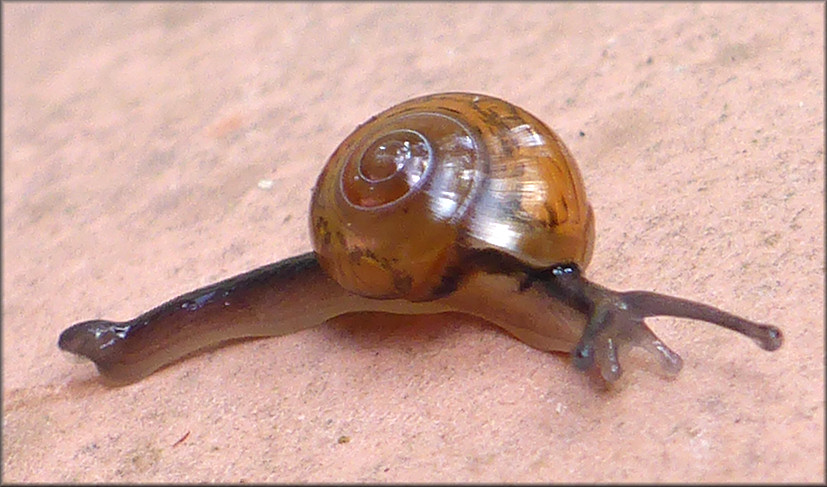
(134, 140)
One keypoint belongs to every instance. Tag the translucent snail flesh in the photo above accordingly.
(447, 202)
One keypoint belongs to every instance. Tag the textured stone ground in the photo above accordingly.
(135, 136)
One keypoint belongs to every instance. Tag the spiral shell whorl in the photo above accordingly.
(416, 183)
(386, 208)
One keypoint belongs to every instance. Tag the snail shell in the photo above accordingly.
(410, 187)
(448, 202)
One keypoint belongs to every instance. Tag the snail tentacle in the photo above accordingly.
(617, 319)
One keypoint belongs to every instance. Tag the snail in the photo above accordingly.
(445, 202)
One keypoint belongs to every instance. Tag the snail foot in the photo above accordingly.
(93, 340)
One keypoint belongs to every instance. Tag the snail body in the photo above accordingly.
(447, 202)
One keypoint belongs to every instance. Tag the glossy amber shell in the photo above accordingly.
(410, 188)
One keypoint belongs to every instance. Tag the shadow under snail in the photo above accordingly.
(446, 202)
